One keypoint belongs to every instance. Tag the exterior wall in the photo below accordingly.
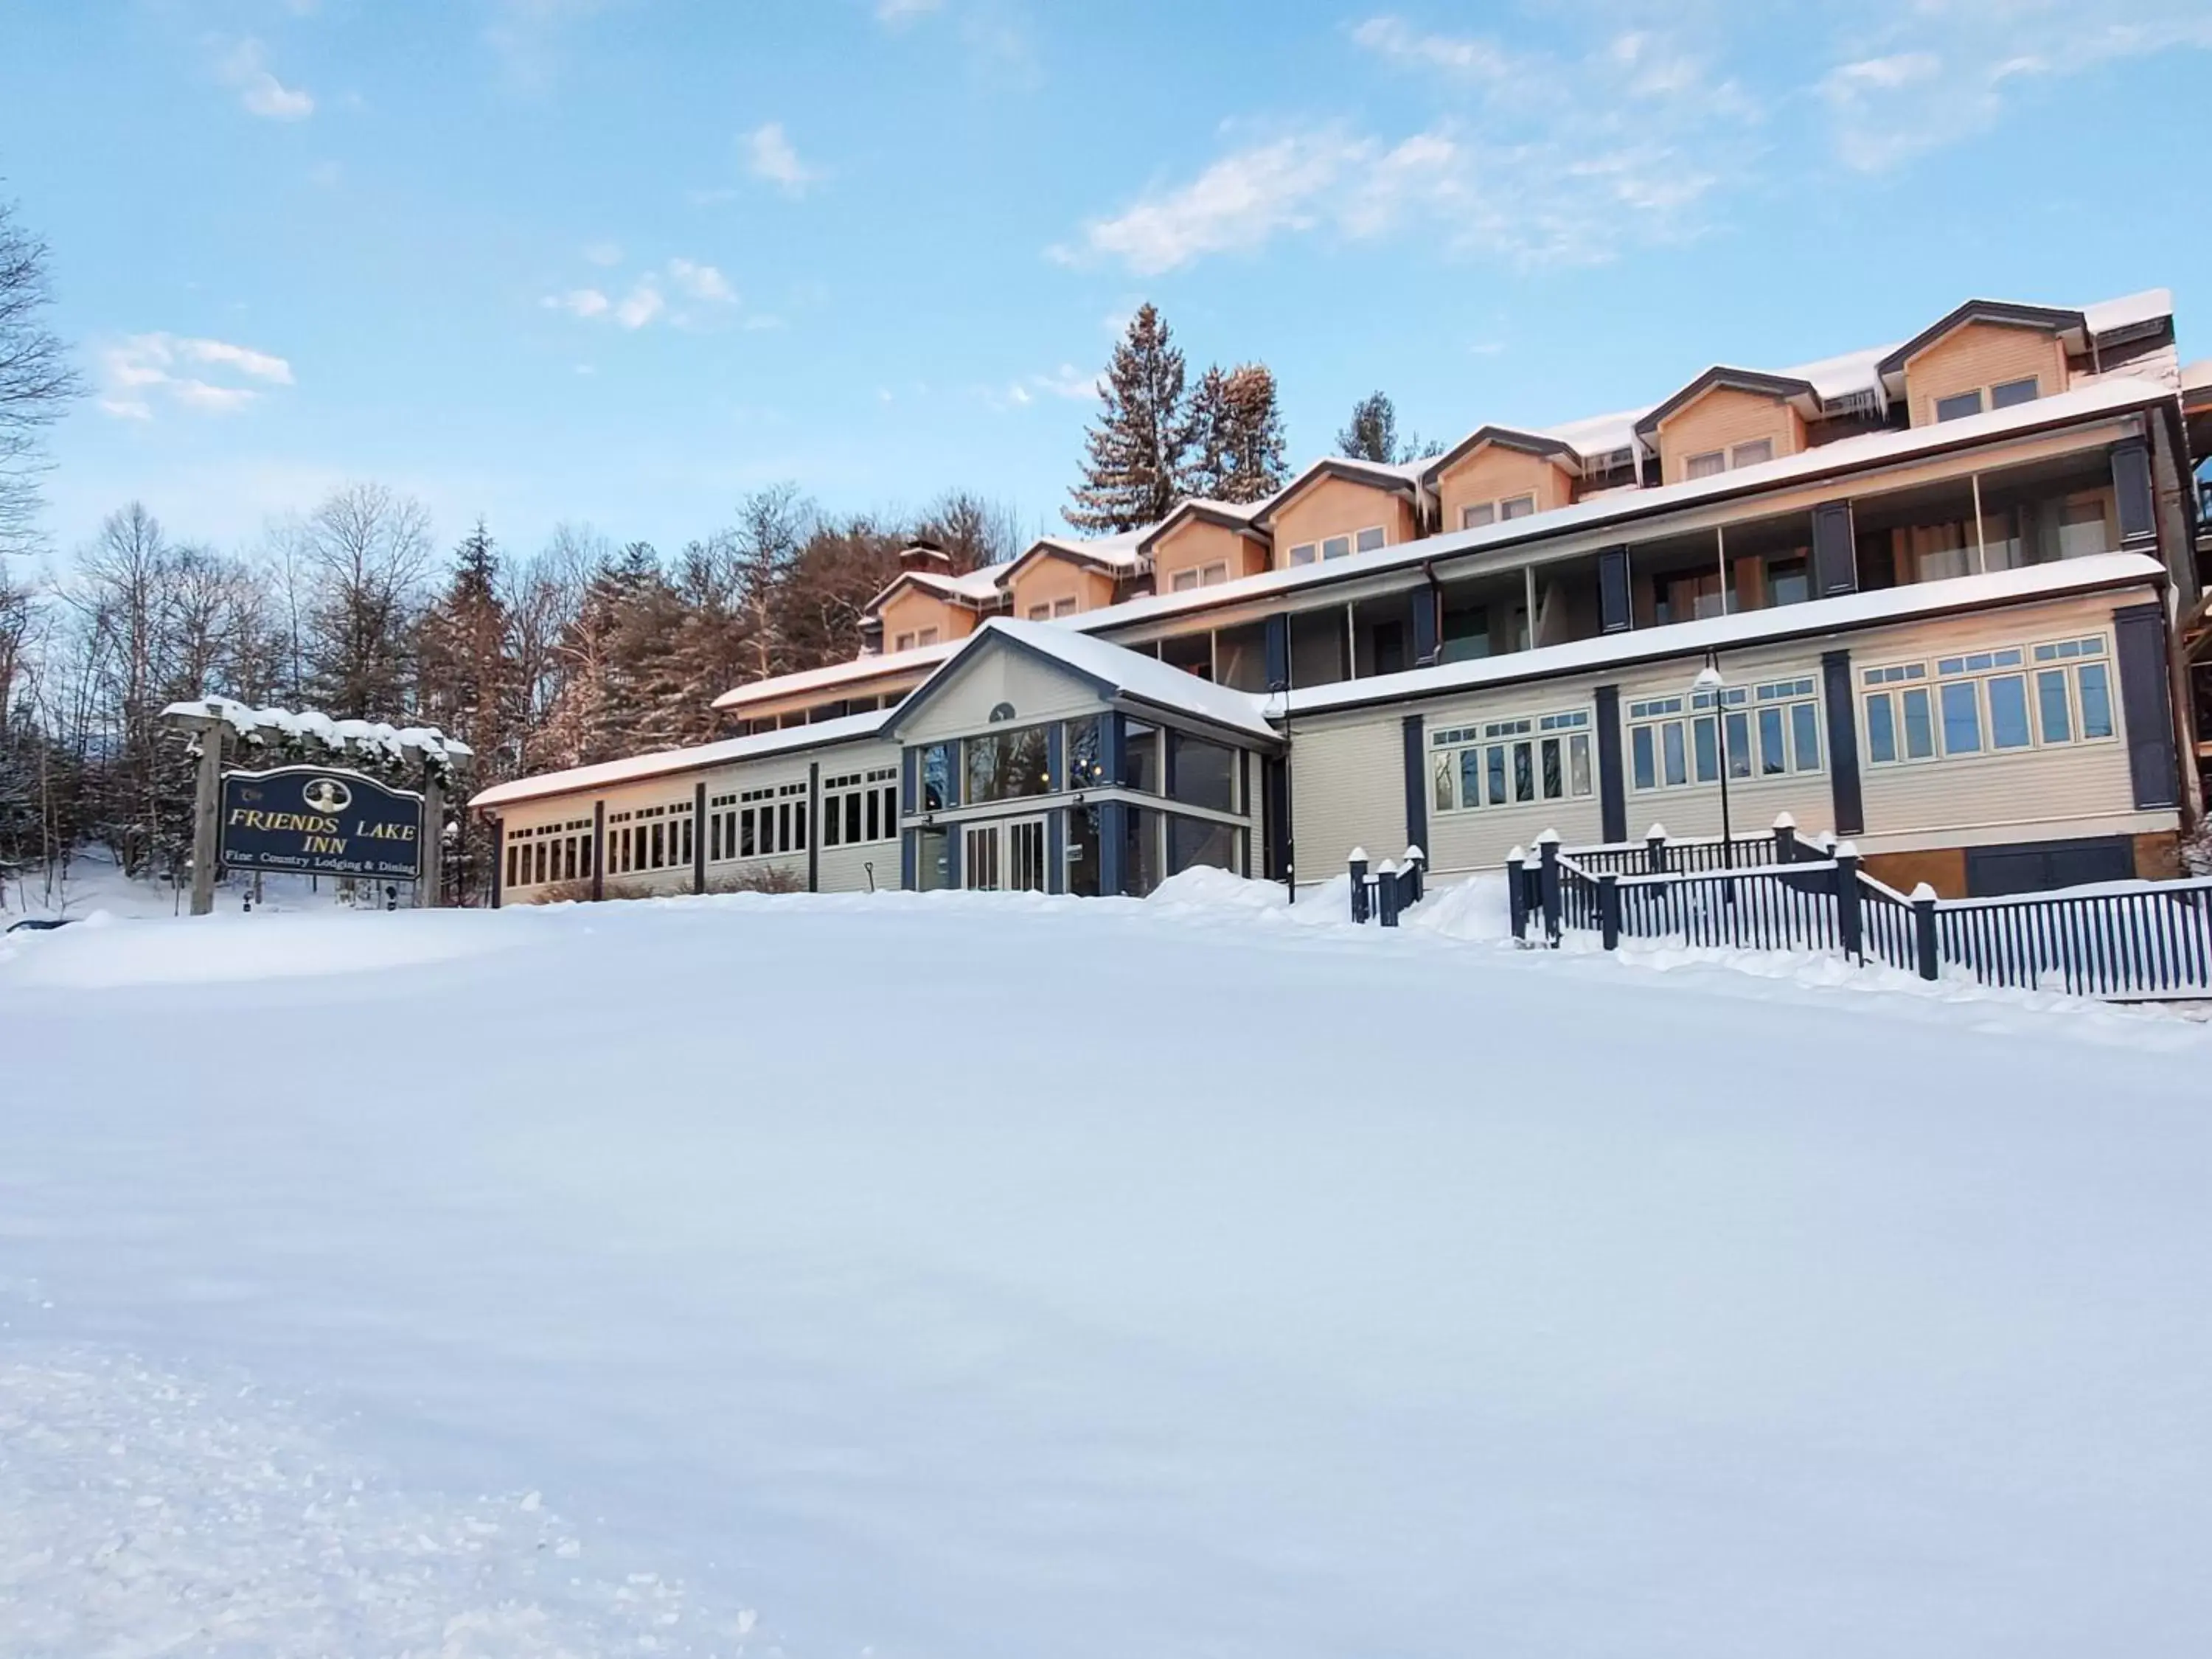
(913, 610)
(1342, 506)
(1348, 790)
(1721, 417)
(1493, 473)
(1479, 839)
(1982, 354)
(1049, 581)
(891, 687)
(1194, 544)
(963, 705)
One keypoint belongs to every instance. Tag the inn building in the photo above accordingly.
(1951, 585)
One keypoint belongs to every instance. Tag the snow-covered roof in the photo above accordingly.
(1843, 612)
(1388, 475)
(2130, 310)
(975, 589)
(312, 725)
(851, 672)
(1118, 671)
(1121, 551)
(663, 762)
(2110, 396)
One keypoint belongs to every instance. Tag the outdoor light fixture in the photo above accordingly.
(1709, 682)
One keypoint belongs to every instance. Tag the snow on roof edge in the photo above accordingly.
(663, 763)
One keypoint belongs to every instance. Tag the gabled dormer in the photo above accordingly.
(927, 604)
(1988, 354)
(1729, 418)
(1497, 473)
(1203, 543)
(1065, 576)
(1338, 506)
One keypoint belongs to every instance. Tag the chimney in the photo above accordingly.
(926, 557)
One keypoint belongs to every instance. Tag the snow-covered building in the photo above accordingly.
(1951, 583)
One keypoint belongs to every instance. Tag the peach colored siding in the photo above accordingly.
(1050, 580)
(1194, 544)
(1340, 507)
(1981, 355)
(1721, 418)
(1492, 474)
(913, 610)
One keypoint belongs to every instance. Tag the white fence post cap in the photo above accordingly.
(1923, 891)
(1357, 855)
(1415, 855)
(1551, 836)
(1845, 849)
(1656, 832)
(1516, 855)
(1386, 868)
(1784, 821)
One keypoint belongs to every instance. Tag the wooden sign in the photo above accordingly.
(320, 821)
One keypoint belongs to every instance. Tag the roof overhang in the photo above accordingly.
(1201, 513)
(936, 586)
(1073, 553)
(1558, 451)
(2071, 327)
(1782, 388)
(1335, 466)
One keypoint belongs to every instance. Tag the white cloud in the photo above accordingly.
(895, 12)
(1066, 381)
(142, 373)
(1917, 74)
(578, 302)
(702, 282)
(244, 69)
(604, 253)
(640, 305)
(1539, 154)
(770, 154)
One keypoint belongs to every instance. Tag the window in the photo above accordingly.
(1517, 507)
(1475, 514)
(1199, 840)
(1959, 405)
(1989, 702)
(860, 806)
(1757, 453)
(1183, 582)
(1083, 753)
(926, 636)
(1214, 574)
(1705, 464)
(2014, 392)
(1303, 554)
(902, 641)
(1511, 762)
(1008, 765)
(1335, 547)
(1063, 607)
(1039, 613)
(1370, 538)
(1769, 731)
(1141, 758)
(1788, 582)
(1205, 773)
(940, 777)
(2081, 527)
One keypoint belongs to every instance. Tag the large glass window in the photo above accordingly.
(1008, 765)
(1083, 851)
(931, 848)
(1084, 753)
(940, 777)
(1773, 730)
(1140, 851)
(1205, 773)
(1199, 841)
(2001, 700)
(1141, 758)
(1511, 762)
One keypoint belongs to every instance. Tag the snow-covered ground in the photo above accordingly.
(990, 1278)
(90, 884)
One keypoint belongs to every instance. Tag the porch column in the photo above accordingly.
(1612, 787)
(1841, 699)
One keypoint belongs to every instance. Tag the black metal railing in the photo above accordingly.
(1386, 892)
(2152, 940)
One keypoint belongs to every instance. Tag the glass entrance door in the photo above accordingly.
(1007, 856)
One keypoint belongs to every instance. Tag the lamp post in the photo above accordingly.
(1709, 680)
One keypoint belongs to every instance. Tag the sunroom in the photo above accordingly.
(1042, 760)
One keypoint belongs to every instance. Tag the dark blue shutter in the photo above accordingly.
(1417, 795)
(1611, 784)
(1613, 605)
(2132, 492)
(1835, 555)
(699, 841)
(2146, 704)
(1844, 792)
(1279, 652)
(1423, 604)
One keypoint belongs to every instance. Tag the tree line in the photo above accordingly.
(580, 650)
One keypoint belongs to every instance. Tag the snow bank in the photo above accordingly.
(103, 952)
(973, 1277)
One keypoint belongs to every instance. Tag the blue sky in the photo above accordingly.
(618, 261)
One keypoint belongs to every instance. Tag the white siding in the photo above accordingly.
(1348, 790)
(1038, 691)
(1479, 838)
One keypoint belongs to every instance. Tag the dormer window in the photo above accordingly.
(1705, 464)
(1959, 405)
(1710, 463)
(1477, 514)
(2006, 394)
(1757, 453)
(902, 641)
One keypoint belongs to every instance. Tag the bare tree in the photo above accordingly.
(369, 550)
(36, 381)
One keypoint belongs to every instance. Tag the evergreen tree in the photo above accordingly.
(1134, 470)
(467, 687)
(594, 716)
(1373, 434)
(1235, 432)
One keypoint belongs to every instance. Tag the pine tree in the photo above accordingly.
(468, 687)
(1236, 436)
(1135, 468)
(1373, 434)
(595, 717)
